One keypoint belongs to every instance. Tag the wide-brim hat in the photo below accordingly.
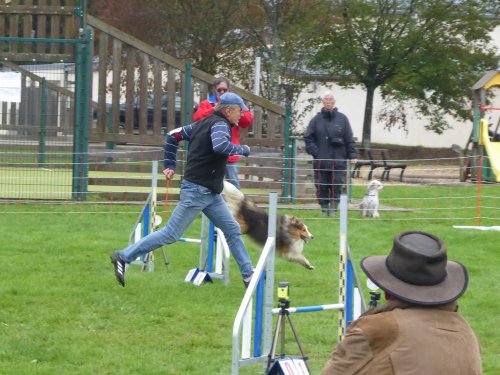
(418, 270)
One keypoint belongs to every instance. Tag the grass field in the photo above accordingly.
(62, 312)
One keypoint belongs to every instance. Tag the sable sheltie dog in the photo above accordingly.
(291, 232)
(369, 205)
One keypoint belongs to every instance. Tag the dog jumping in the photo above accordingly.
(370, 203)
(291, 232)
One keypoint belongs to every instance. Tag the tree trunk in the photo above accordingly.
(367, 121)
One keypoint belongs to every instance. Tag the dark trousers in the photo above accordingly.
(329, 184)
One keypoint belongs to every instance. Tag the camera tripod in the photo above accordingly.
(280, 328)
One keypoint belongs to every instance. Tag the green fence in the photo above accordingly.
(45, 54)
(36, 131)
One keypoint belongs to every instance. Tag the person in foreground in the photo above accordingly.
(419, 329)
(210, 146)
(206, 108)
(329, 139)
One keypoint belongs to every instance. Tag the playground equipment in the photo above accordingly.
(484, 160)
(350, 304)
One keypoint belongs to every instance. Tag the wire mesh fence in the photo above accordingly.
(430, 190)
(36, 131)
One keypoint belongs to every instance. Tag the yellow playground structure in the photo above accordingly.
(485, 161)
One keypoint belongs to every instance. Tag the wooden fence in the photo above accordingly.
(138, 92)
(131, 72)
(124, 173)
(45, 109)
(41, 19)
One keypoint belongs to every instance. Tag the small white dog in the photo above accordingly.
(369, 205)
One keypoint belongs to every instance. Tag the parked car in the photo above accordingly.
(150, 111)
(136, 103)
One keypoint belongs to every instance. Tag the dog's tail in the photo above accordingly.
(232, 196)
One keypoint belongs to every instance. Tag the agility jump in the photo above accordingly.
(261, 287)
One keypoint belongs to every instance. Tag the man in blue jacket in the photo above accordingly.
(210, 147)
(329, 140)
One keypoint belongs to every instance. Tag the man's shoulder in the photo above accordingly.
(341, 114)
(380, 326)
(315, 118)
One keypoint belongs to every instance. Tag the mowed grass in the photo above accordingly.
(62, 312)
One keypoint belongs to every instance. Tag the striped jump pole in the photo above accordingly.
(342, 323)
(306, 309)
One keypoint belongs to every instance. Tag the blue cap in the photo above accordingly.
(230, 98)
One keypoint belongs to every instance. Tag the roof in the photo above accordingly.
(491, 78)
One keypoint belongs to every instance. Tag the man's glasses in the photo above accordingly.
(220, 89)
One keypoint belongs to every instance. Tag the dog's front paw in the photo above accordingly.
(309, 266)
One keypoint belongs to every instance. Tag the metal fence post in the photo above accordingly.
(82, 116)
(43, 123)
(287, 161)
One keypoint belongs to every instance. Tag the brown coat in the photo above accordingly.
(402, 339)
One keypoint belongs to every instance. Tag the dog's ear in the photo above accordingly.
(295, 221)
(299, 224)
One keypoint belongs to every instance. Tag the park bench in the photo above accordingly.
(377, 158)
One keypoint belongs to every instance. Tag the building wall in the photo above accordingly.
(352, 103)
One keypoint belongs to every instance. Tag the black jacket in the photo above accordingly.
(204, 166)
(329, 138)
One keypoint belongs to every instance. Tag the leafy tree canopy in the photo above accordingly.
(424, 53)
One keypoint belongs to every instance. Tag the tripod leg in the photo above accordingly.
(299, 343)
(144, 262)
(272, 354)
(165, 259)
(282, 353)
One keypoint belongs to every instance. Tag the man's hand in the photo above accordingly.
(247, 150)
(169, 173)
(353, 161)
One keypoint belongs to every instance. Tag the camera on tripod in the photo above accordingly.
(374, 298)
(374, 294)
(277, 364)
(283, 295)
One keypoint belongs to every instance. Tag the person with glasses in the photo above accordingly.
(206, 108)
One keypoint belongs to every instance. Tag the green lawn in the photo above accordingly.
(62, 312)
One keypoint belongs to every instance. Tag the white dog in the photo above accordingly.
(369, 205)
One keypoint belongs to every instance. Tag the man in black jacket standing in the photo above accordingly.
(329, 140)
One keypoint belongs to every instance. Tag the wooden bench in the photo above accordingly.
(377, 158)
